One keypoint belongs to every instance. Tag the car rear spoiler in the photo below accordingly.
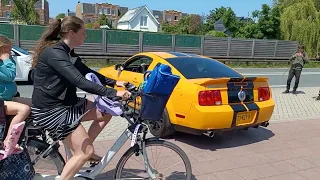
(209, 81)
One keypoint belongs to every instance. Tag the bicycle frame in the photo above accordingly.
(94, 171)
(109, 155)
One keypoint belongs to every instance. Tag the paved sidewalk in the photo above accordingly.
(283, 151)
(288, 107)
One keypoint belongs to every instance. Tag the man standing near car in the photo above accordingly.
(297, 62)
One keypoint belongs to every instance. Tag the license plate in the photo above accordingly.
(244, 118)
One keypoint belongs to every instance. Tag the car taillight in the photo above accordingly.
(263, 93)
(209, 98)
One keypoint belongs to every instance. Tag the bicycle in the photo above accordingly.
(136, 130)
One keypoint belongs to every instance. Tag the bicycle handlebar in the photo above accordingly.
(113, 106)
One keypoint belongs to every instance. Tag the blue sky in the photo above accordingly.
(240, 7)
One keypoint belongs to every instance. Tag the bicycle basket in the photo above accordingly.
(152, 106)
(160, 80)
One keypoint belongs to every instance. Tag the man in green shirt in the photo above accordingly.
(297, 62)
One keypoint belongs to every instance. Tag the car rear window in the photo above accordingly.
(198, 67)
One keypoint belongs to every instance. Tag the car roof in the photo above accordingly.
(166, 55)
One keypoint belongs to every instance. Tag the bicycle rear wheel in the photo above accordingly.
(122, 173)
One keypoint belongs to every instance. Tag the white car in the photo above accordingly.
(23, 60)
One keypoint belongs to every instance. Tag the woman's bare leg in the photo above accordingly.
(99, 120)
(99, 123)
(80, 143)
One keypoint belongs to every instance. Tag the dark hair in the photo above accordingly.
(56, 30)
(301, 47)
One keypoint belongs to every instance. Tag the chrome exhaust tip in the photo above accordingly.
(209, 134)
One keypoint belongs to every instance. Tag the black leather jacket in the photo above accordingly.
(57, 76)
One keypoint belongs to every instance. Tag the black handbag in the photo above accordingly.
(17, 167)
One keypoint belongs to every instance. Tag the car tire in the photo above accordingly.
(162, 128)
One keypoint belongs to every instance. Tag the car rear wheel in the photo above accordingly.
(162, 128)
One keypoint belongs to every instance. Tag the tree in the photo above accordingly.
(60, 16)
(195, 24)
(214, 15)
(216, 34)
(24, 11)
(230, 21)
(103, 20)
(89, 26)
(190, 24)
(300, 21)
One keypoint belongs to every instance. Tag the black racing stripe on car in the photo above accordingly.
(236, 108)
(254, 107)
(178, 54)
(237, 85)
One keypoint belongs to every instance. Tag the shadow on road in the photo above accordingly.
(299, 92)
(227, 140)
(134, 174)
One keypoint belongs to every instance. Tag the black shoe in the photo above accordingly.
(286, 91)
(318, 98)
(294, 91)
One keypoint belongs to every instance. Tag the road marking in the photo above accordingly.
(277, 86)
(278, 74)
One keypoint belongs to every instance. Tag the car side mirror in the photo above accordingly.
(118, 67)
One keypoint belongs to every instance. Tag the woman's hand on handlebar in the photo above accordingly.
(125, 95)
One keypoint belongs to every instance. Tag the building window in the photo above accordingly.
(100, 10)
(113, 12)
(108, 11)
(169, 18)
(104, 10)
(8, 14)
(144, 21)
(176, 18)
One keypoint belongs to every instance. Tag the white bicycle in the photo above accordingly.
(40, 148)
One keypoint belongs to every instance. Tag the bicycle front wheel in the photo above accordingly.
(129, 163)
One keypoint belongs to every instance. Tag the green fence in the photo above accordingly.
(122, 37)
(188, 41)
(94, 36)
(31, 33)
(157, 39)
(7, 30)
(119, 42)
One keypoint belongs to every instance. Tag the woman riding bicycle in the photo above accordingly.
(55, 105)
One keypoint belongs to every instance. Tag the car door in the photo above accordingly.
(19, 66)
(132, 71)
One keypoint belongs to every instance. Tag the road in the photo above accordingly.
(277, 78)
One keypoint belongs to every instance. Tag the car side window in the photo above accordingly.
(134, 65)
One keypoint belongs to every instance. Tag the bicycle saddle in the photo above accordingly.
(105, 105)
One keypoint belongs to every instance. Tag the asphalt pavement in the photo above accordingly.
(277, 78)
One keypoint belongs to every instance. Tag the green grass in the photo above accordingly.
(105, 63)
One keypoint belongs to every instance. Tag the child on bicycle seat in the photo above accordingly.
(8, 87)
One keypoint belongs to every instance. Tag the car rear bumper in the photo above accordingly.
(207, 118)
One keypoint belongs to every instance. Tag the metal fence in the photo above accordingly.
(114, 42)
